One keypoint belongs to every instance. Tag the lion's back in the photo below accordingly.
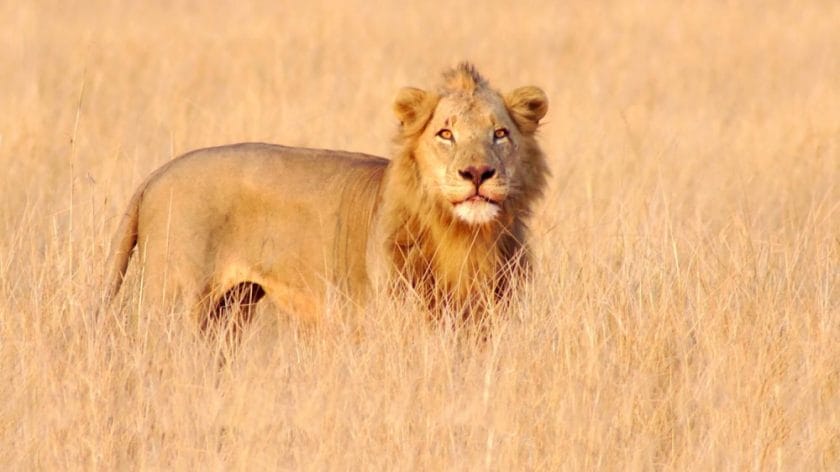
(268, 161)
(266, 170)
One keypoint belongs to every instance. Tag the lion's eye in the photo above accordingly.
(501, 133)
(445, 134)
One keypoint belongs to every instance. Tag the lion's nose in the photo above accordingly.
(477, 174)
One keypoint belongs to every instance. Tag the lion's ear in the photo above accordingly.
(414, 107)
(527, 106)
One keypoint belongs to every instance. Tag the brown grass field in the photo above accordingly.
(684, 313)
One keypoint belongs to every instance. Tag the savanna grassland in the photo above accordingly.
(684, 312)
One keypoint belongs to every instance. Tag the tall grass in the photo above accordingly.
(684, 312)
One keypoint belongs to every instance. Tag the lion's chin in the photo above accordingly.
(476, 211)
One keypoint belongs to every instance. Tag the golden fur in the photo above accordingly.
(445, 215)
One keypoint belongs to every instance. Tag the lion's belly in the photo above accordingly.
(291, 258)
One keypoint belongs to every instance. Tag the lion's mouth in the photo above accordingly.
(476, 198)
(476, 209)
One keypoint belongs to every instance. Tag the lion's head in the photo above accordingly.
(464, 176)
(474, 149)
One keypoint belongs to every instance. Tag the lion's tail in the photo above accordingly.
(121, 246)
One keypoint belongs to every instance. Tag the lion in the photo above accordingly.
(446, 216)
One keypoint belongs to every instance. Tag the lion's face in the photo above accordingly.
(468, 143)
(468, 155)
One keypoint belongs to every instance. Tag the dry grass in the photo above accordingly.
(685, 312)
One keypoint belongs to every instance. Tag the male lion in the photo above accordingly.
(444, 216)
